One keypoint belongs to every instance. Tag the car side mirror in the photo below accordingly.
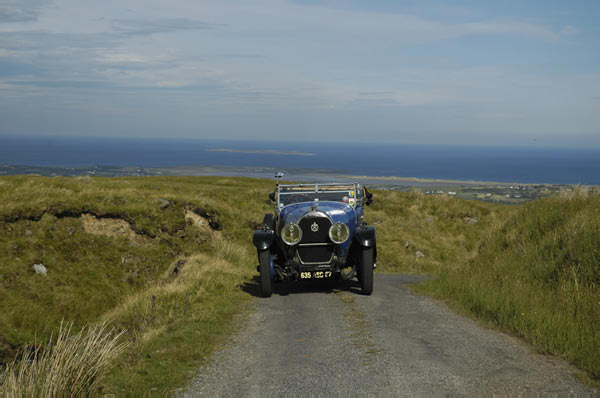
(272, 197)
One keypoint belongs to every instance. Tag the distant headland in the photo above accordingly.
(260, 151)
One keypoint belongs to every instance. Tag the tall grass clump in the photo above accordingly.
(69, 366)
(538, 277)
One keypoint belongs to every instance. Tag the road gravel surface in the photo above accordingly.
(326, 339)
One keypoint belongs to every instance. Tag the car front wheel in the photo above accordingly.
(264, 267)
(366, 271)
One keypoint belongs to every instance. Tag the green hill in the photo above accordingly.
(538, 277)
(169, 261)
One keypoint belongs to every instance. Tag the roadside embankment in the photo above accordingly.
(537, 277)
(160, 259)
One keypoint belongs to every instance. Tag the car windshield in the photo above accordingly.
(308, 193)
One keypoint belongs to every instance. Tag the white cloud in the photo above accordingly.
(205, 59)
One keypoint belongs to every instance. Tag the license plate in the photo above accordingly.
(315, 275)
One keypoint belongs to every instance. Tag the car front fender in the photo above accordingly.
(263, 239)
(365, 236)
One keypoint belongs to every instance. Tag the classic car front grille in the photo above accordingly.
(311, 223)
(315, 254)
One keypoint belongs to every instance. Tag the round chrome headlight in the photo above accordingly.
(339, 233)
(291, 234)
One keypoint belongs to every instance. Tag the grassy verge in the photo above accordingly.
(69, 366)
(532, 270)
(177, 322)
(537, 277)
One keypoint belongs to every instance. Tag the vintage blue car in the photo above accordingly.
(317, 231)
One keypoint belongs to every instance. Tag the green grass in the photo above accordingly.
(127, 278)
(530, 270)
(537, 277)
(68, 366)
(445, 229)
(175, 324)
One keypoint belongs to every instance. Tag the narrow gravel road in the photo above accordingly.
(325, 339)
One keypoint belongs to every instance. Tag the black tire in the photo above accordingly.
(264, 267)
(366, 271)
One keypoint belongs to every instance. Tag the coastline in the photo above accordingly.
(491, 191)
(292, 174)
(409, 180)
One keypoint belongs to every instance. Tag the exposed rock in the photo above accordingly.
(196, 220)
(28, 232)
(164, 203)
(419, 254)
(471, 220)
(40, 269)
(109, 227)
(203, 216)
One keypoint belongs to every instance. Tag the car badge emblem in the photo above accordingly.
(314, 227)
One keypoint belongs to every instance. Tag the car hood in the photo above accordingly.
(337, 211)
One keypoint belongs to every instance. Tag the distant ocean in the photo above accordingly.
(503, 164)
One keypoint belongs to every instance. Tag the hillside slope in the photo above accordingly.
(162, 258)
(170, 260)
(538, 277)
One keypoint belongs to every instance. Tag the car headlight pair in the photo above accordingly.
(291, 233)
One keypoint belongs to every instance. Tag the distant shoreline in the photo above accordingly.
(329, 175)
(307, 174)
(447, 182)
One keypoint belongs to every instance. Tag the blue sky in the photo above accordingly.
(428, 72)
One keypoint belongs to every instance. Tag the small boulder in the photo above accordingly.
(419, 254)
(28, 232)
(40, 269)
(164, 203)
(471, 220)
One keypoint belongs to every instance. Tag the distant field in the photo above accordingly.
(169, 260)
